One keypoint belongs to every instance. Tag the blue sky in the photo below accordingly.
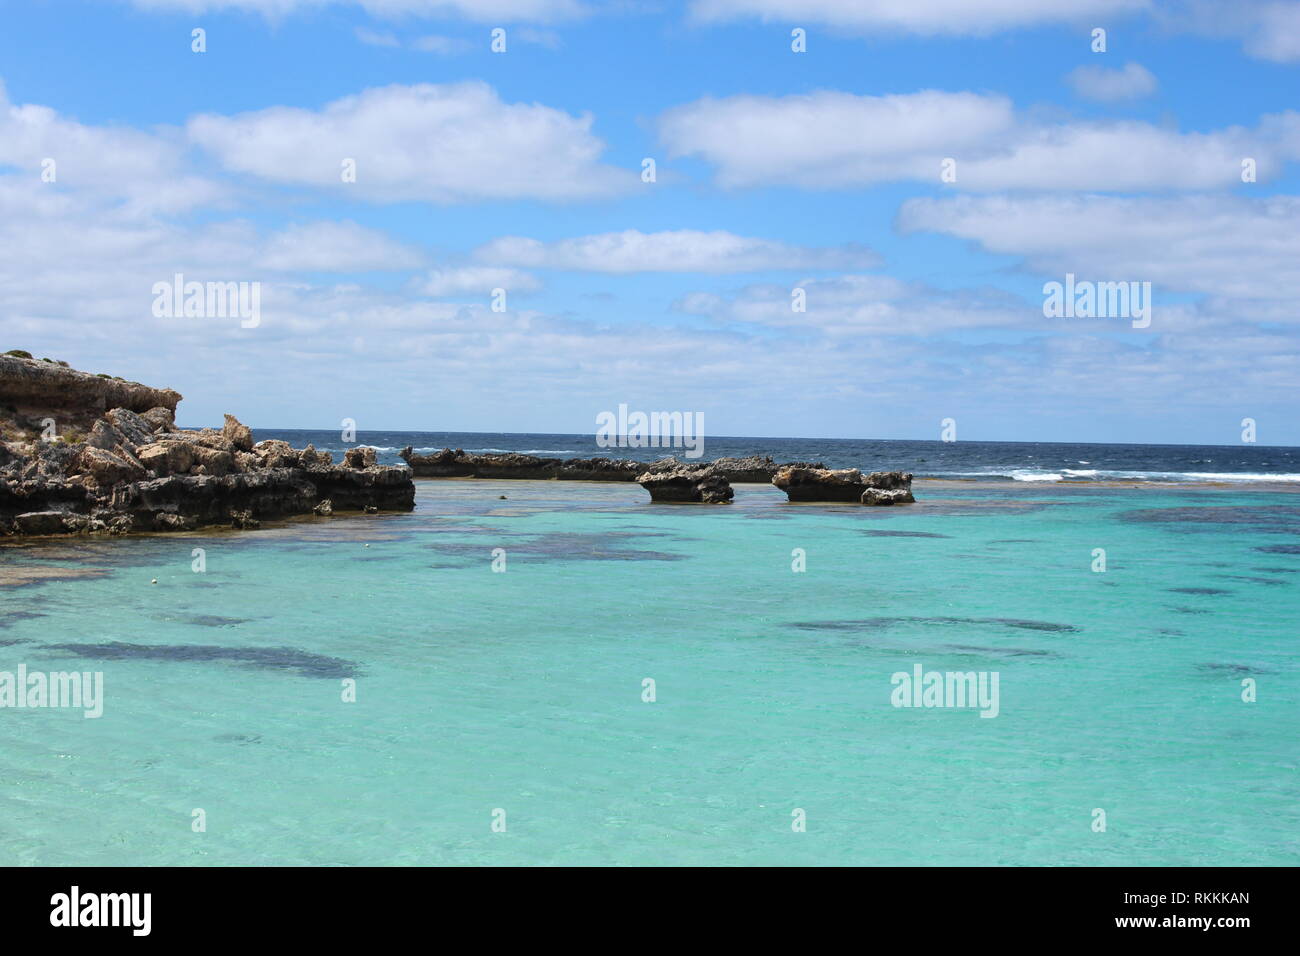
(776, 170)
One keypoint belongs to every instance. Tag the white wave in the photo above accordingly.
(1202, 476)
(1171, 476)
(1093, 474)
(526, 451)
(1022, 475)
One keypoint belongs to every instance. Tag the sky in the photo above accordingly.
(914, 175)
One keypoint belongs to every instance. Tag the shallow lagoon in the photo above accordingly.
(523, 690)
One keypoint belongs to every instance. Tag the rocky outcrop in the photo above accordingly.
(752, 469)
(698, 484)
(133, 470)
(461, 464)
(847, 484)
(888, 488)
(35, 388)
(457, 463)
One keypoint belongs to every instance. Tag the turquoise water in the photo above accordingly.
(522, 690)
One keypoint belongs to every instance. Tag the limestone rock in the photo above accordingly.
(243, 519)
(276, 454)
(40, 522)
(106, 468)
(687, 484)
(104, 435)
(167, 457)
(160, 419)
(136, 471)
(238, 434)
(70, 396)
(847, 484)
(214, 461)
(888, 488)
(820, 484)
(134, 427)
(361, 457)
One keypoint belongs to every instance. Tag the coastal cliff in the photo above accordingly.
(44, 388)
(82, 453)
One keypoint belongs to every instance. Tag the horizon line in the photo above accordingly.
(935, 441)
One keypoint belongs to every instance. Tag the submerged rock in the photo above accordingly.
(687, 484)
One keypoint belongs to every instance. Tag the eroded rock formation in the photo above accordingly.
(42, 388)
(752, 469)
(449, 463)
(888, 488)
(846, 484)
(462, 464)
(128, 468)
(700, 484)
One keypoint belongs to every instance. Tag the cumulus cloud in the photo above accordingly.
(466, 280)
(147, 170)
(1268, 29)
(336, 247)
(853, 305)
(76, 278)
(441, 143)
(1129, 82)
(680, 250)
(833, 139)
(1230, 248)
(830, 138)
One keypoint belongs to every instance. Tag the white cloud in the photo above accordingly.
(1268, 29)
(1275, 33)
(834, 139)
(830, 138)
(76, 277)
(1233, 249)
(336, 247)
(441, 45)
(852, 305)
(681, 250)
(145, 170)
(1130, 82)
(977, 17)
(476, 280)
(440, 143)
(376, 38)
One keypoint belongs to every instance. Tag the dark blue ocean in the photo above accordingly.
(1010, 461)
